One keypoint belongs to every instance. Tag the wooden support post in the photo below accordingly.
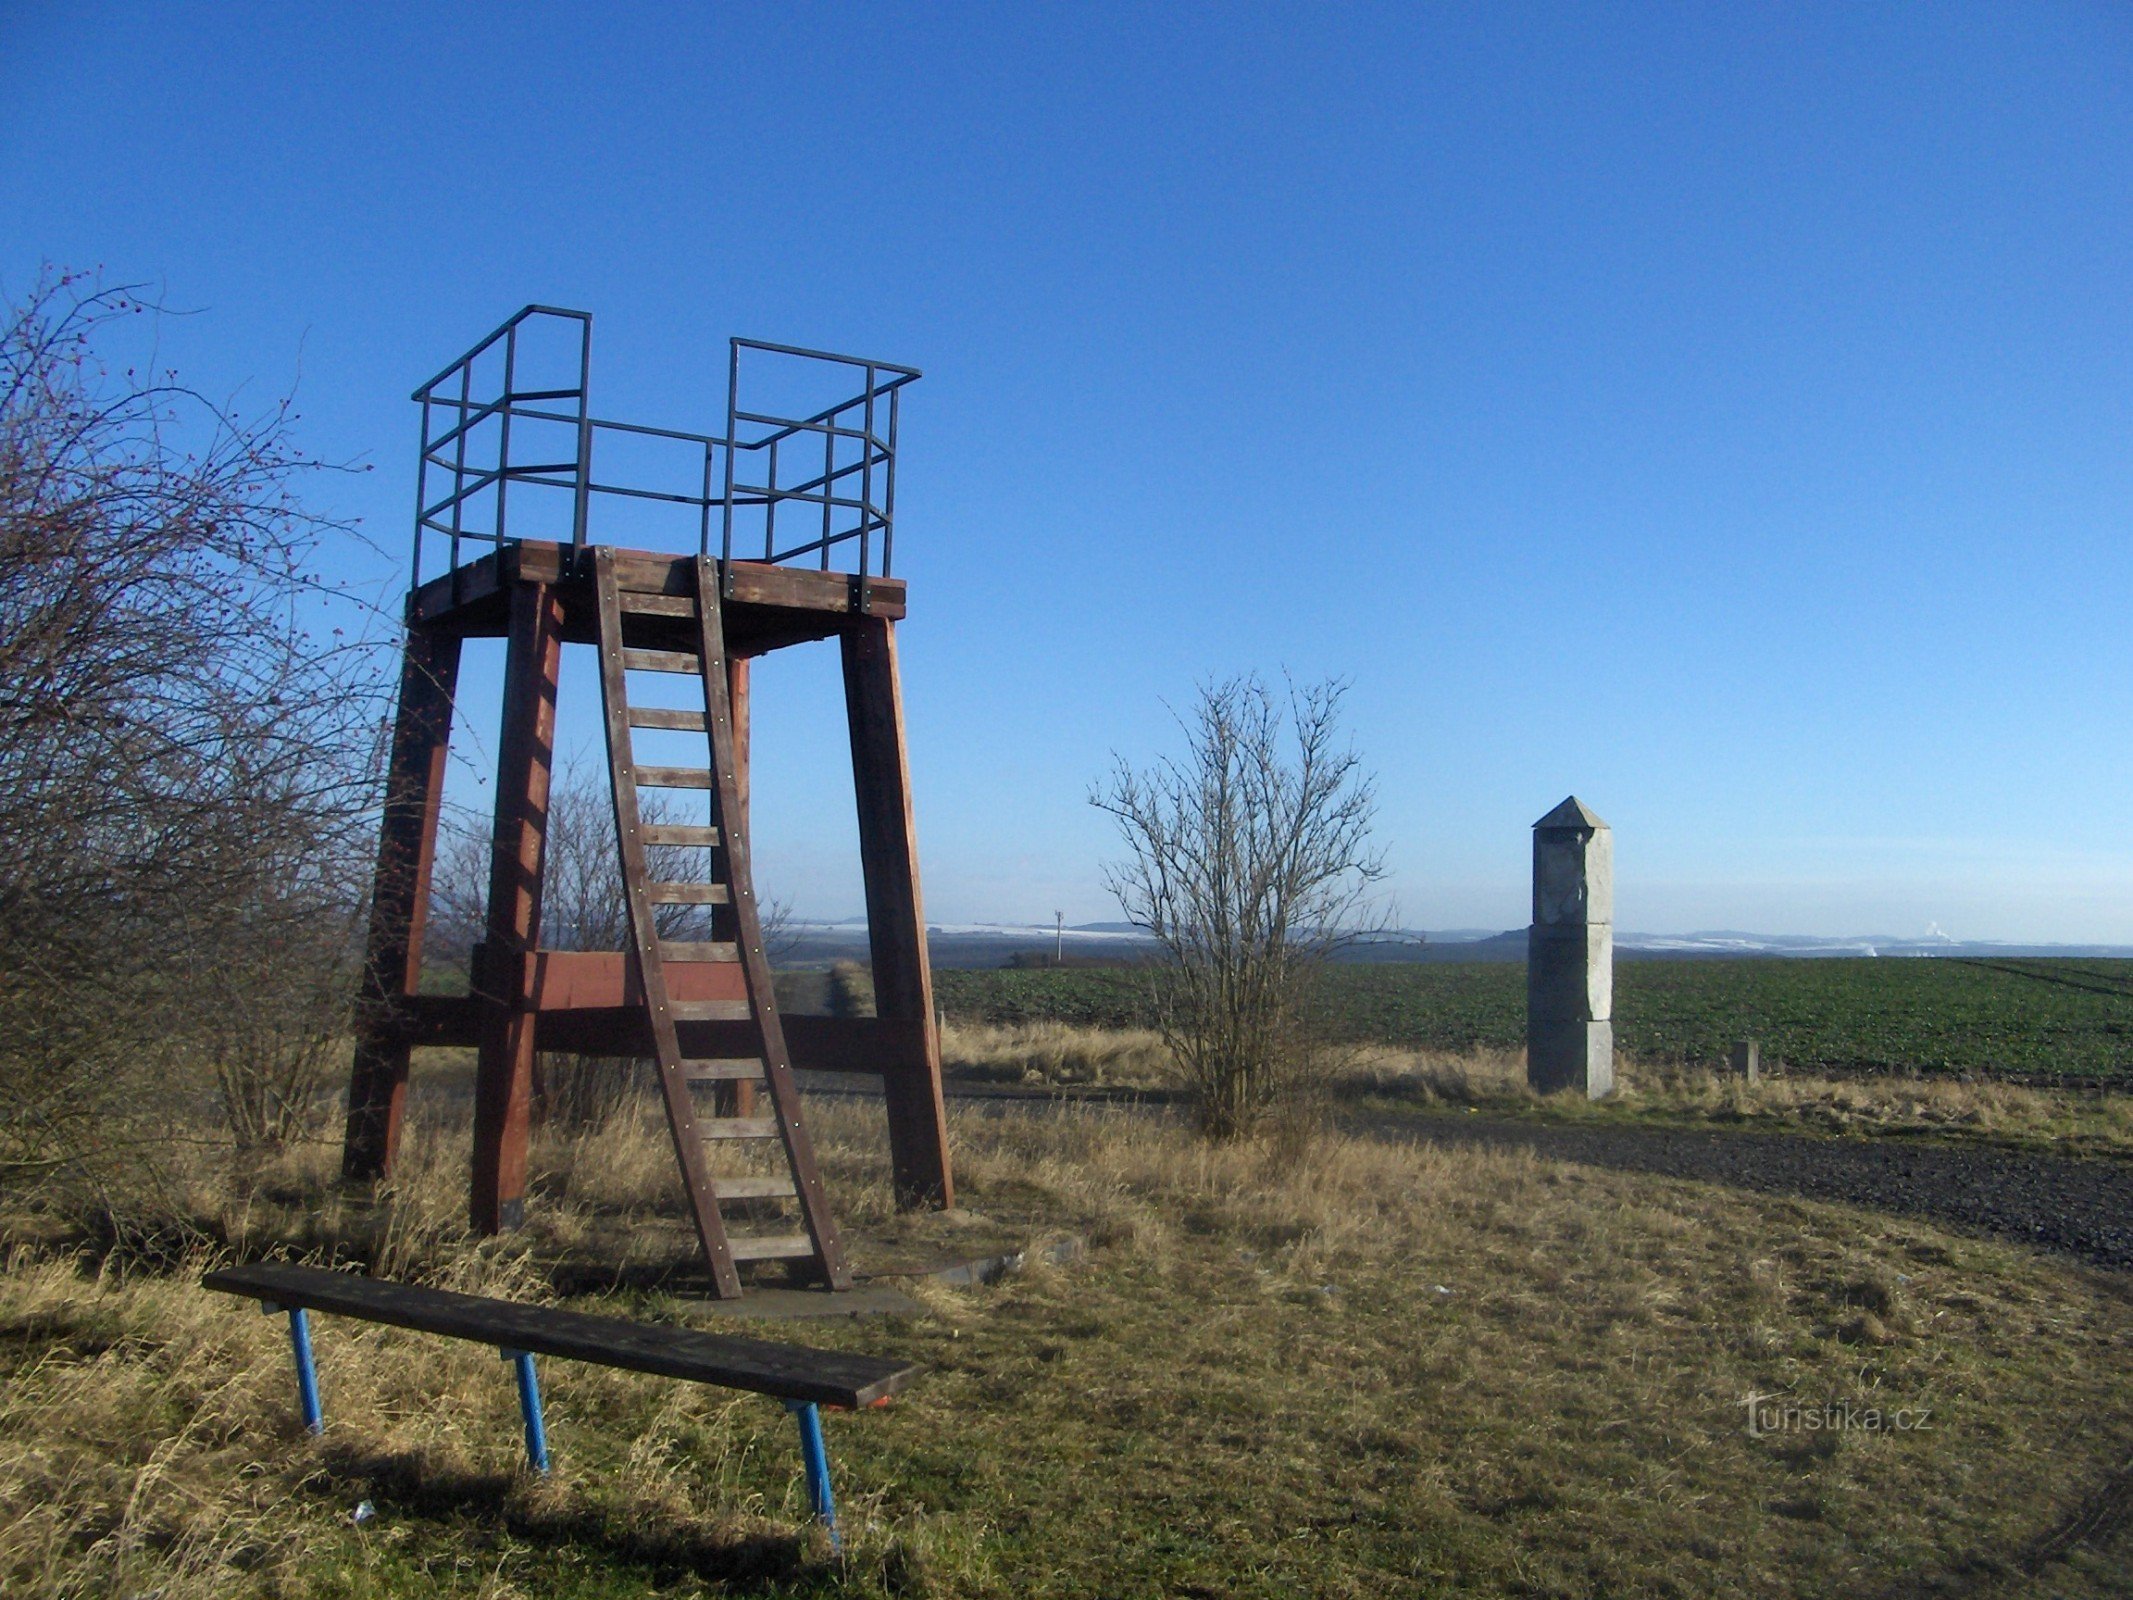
(399, 903)
(503, 1080)
(737, 692)
(896, 916)
(736, 1099)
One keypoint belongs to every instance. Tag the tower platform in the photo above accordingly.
(693, 993)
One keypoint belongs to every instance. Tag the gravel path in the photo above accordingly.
(2082, 1207)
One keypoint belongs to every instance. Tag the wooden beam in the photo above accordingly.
(770, 607)
(884, 1045)
(399, 905)
(503, 1080)
(896, 916)
(595, 980)
(827, 1246)
(736, 1099)
(657, 1015)
(785, 1371)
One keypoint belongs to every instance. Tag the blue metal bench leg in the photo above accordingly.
(529, 1407)
(306, 1369)
(816, 1456)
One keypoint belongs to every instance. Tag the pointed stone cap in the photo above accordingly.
(1572, 813)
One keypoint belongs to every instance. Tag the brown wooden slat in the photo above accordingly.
(753, 1188)
(504, 1065)
(817, 1044)
(800, 589)
(657, 605)
(660, 661)
(773, 1247)
(687, 894)
(828, 1249)
(674, 778)
(477, 582)
(648, 572)
(674, 1090)
(756, 584)
(737, 1127)
(692, 835)
(679, 833)
(698, 950)
(896, 916)
(761, 590)
(399, 902)
(722, 1069)
(656, 717)
(566, 981)
(710, 1010)
(787, 1371)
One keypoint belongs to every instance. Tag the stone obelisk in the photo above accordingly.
(1570, 954)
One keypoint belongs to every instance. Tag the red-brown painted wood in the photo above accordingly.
(503, 1078)
(736, 1099)
(828, 1247)
(896, 915)
(594, 980)
(399, 905)
(658, 1010)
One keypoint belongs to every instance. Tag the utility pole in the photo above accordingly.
(1059, 939)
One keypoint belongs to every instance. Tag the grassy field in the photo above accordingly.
(1317, 1366)
(1367, 1079)
(2020, 1018)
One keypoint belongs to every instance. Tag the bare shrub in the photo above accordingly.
(184, 767)
(584, 906)
(1248, 861)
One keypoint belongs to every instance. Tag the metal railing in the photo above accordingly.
(509, 421)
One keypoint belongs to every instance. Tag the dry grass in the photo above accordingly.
(1311, 1366)
(2078, 1121)
(2068, 1120)
(1057, 1054)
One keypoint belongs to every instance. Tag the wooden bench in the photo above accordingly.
(803, 1378)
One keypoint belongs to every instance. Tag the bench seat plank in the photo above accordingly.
(789, 1372)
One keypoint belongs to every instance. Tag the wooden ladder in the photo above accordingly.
(722, 849)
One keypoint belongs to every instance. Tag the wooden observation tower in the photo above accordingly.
(777, 532)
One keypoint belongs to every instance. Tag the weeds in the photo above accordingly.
(1299, 1365)
(2076, 1121)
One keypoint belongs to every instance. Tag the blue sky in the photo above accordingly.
(1720, 412)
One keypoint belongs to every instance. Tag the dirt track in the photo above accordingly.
(2082, 1207)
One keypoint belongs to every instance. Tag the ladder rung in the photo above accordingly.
(698, 950)
(722, 1069)
(673, 778)
(737, 1127)
(710, 1010)
(661, 661)
(684, 833)
(657, 605)
(771, 1247)
(659, 717)
(753, 1188)
(686, 894)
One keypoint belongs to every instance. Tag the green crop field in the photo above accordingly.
(2017, 1018)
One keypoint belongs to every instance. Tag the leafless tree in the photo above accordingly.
(184, 767)
(1248, 860)
(583, 907)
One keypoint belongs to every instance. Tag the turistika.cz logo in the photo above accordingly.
(1771, 1413)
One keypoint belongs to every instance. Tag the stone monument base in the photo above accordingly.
(1571, 1055)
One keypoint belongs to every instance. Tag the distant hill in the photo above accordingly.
(977, 945)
